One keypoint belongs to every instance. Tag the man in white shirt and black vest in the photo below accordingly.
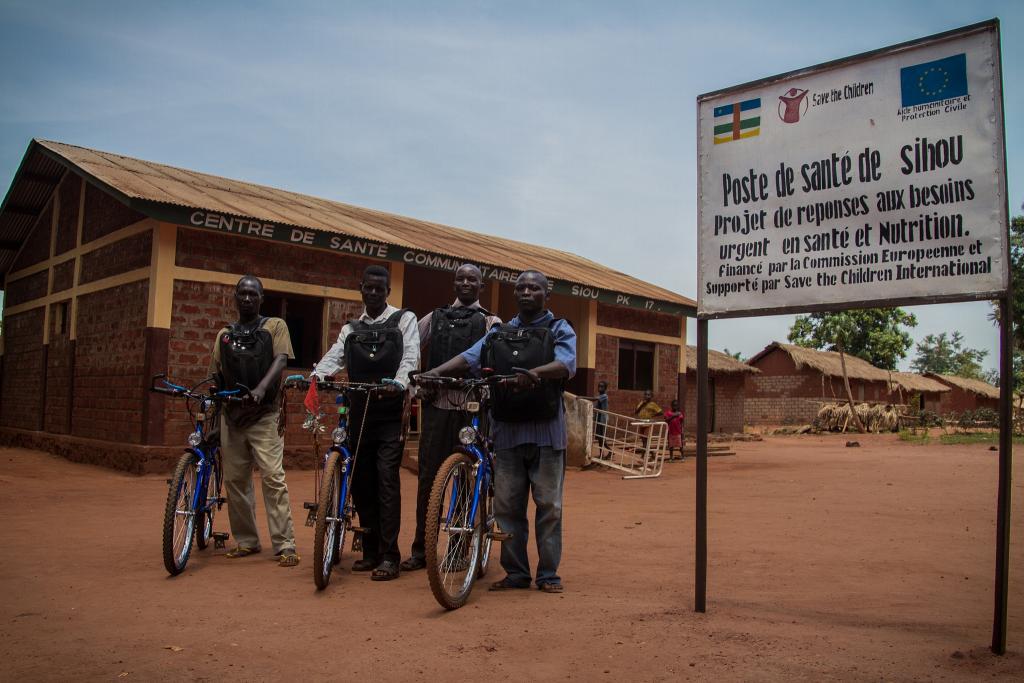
(445, 333)
(376, 489)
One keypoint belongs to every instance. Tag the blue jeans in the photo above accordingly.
(517, 471)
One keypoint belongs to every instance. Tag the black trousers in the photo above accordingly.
(439, 437)
(376, 489)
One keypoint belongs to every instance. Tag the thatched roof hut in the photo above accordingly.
(973, 386)
(915, 383)
(826, 362)
(718, 363)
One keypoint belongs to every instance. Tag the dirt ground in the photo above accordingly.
(826, 563)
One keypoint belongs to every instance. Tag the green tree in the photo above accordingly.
(1017, 302)
(736, 355)
(947, 355)
(874, 334)
(877, 335)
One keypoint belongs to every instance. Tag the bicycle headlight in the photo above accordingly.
(467, 435)
(194, 439)
(339, 435)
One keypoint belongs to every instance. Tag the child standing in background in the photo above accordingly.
(674, 418)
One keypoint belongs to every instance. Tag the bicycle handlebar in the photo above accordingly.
(300, 382)
(466, 382)
(172, 389)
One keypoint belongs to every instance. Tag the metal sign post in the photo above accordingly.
(1005, 478)
(701, 550)
(874, 180)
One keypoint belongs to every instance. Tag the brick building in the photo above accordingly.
(911, 387)
(116, 269)
(965, 394)
(726, 389)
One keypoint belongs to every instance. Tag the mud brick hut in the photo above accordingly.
(116, 269)
(925, 392)
(965, 394)
(726, 389)
(793, 381)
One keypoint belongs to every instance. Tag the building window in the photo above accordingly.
(304, 316)
(636, 365)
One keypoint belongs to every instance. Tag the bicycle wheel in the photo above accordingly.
(330, 524)
(179, 517)
(204, 525)
(485, 525)
(452, 539)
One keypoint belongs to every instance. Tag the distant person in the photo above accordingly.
(674, 418)
(444, 334)
(252, 352)
(647, 409)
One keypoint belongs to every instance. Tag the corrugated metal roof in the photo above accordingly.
(35, 181)
(147, 181)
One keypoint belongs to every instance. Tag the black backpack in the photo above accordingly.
(373, 351)
(246, 354)
(528, 348)
(453, 329)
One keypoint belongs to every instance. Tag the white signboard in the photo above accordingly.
(870, 180)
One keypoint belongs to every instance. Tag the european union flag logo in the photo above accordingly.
(934, 81)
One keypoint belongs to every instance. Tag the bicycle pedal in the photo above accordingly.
(219, 538)
(357, 539)
(499, 536)
(311, 516)
(309, 505)
(220, 501)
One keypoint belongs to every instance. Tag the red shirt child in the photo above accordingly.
(674, 418)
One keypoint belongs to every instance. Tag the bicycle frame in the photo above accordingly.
(484, 472)
(347, 460)
(201, 448)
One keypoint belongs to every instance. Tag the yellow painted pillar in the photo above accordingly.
(397, 285)
(161, 275)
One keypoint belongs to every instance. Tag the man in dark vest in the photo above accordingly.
(252, 352)
(444, 333)
(395, 342)
(528, 428)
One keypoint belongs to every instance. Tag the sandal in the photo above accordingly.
(364, 565)
(550, 588)
(507, 584)
(241, 551)
(385, 571)
(288, 558)
(413, 563)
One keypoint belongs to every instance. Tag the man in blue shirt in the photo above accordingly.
(529, 454)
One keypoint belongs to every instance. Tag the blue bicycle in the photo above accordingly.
(333, 512)
(458, 542)
(194, 491)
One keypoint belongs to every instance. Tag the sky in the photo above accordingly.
(566, 124)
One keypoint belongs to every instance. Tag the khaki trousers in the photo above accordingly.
(241, 448)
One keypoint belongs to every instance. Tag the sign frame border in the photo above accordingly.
(990, 25)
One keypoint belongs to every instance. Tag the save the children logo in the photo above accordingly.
(792, 105)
